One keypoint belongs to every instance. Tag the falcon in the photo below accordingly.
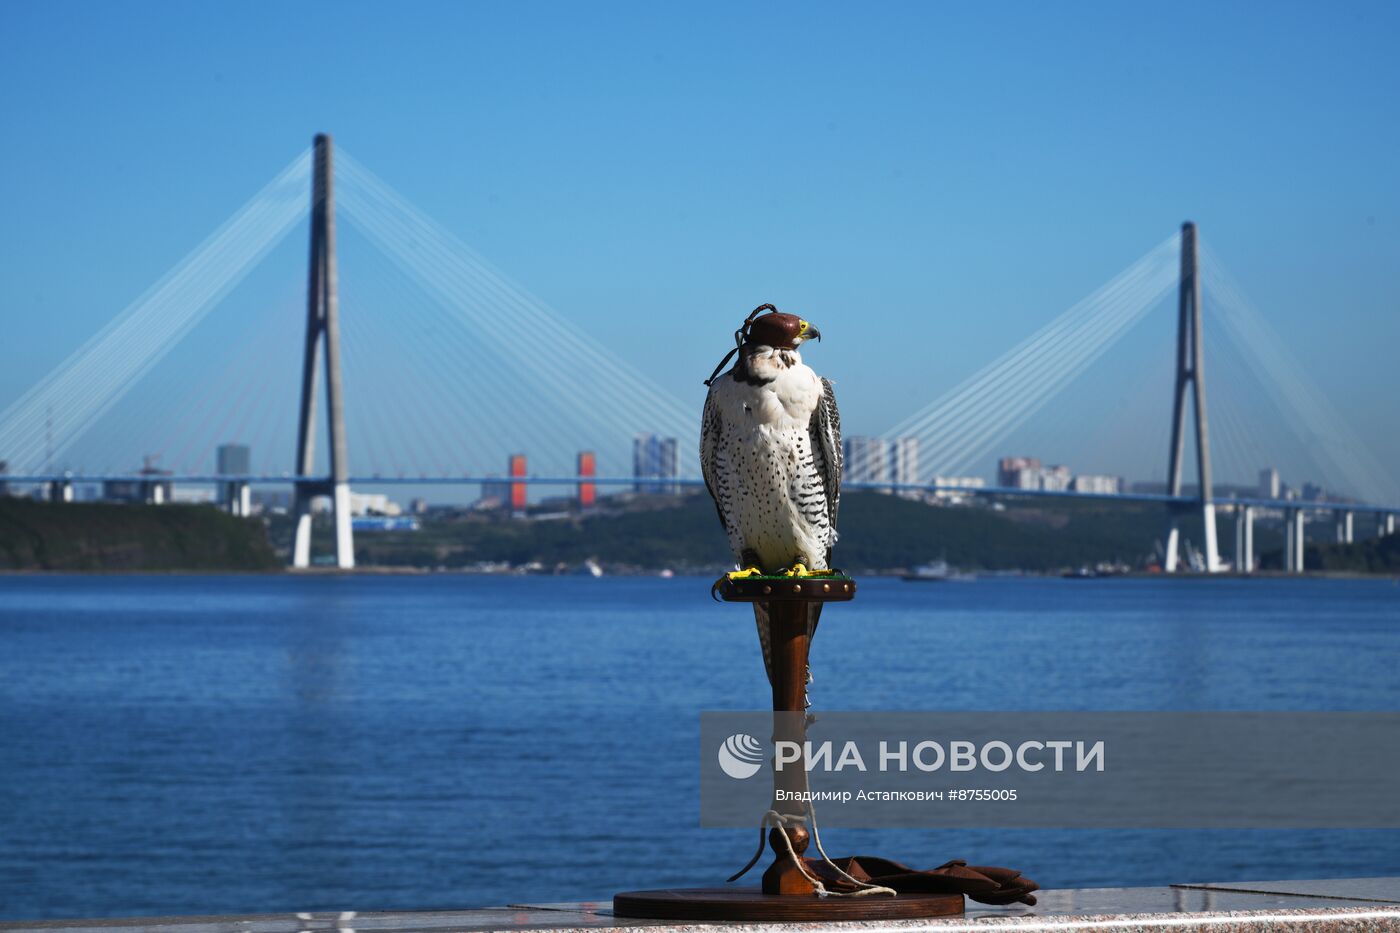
(770, 452)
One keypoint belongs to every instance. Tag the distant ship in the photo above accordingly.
(1101, 569)
(937, 571)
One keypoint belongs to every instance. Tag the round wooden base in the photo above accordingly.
(752, 904)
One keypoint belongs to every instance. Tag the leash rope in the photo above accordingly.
(779, 821)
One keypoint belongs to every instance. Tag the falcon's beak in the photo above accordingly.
(809, 332)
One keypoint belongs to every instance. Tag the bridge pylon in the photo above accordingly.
(1190, 372)
(322, 326)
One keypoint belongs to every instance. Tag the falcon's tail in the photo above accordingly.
(765, 632)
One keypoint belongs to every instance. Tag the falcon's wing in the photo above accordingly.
(709, 442)
(826, 441)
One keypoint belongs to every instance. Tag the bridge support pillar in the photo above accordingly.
(1294, 539)
(301, 532)
(344, 535)
(1345, 527)
(1385, 524)
(60, 490)
(322, 326)
(1244, 539)
(1212, 546)
(1169, 559)
(1190, 374)
(237, 498)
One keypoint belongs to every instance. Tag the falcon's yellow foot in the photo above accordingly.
(744, 574)
(799, 569)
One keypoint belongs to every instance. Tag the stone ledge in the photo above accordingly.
(1350, 904)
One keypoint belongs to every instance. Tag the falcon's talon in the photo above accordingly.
(745, 574)
(799, 569)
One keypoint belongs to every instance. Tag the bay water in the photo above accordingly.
(219, 744)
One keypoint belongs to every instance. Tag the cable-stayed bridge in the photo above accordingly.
(416, 346)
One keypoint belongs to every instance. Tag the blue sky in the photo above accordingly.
(927, 181)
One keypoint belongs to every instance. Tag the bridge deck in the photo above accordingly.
(694, 482)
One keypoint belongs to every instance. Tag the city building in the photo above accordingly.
(519, 498)
(1018, 473)
(1099, 485)
(957, 496)
(655, 458)
(904, 465)
(1269, 483)
(587, 469)
(1030, 473)
(1055, 478)
(495, 493)
(192, 495)
(4, 486)
(234, 460)
(1312, 492)
(373, 503)
(866, 460)
(275, 501)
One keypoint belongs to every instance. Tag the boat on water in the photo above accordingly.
(937, 571)
(1099, 570)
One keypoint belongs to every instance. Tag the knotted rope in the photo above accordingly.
(779, 821)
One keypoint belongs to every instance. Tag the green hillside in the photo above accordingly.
(878, 532)
(1373, 555)
(110, 536)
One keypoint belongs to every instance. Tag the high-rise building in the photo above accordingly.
(904, 465)
(518, 497)
(587, 469)
(1055, 478)
(1268, 483)
(1028, 473)
(655, 458)
(1018, 473)
(234, 460)
(866, 460)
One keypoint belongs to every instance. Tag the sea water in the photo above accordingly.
(217, 744)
